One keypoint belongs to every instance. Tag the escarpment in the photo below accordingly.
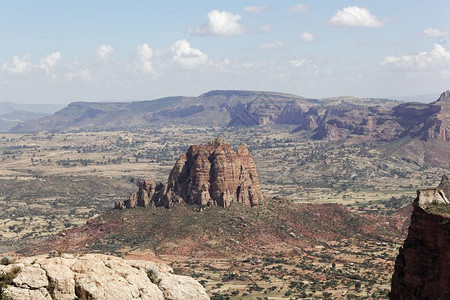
(211, 174)
(422, 268)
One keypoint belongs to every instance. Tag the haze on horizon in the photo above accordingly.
(59, 51)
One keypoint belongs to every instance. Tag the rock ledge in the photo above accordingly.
(97, 277)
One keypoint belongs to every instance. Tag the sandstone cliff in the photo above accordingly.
(95, 277)
(422, 268)
(211, 174)
(422, 121)
(221, 107)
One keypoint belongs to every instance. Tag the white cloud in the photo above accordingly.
(142, 61)
(255, 8)
(433, 32)
(21, 65)
(219, 23)
(51, 59)
(47, 63)
(436, 59)
(276, 44)
(354, 16)
(307, 37)
(297, 63)
(298, 8)
(187, 56)
(18, 65)
(103, 52)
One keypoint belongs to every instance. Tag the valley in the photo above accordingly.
(335, 212)
(83, 174)
(55, 182)
(224, 150)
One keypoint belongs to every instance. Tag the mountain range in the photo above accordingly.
(228, 108)
(329, 118)
(12, 114)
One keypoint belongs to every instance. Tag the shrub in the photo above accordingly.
(6, 279)
(7, 260)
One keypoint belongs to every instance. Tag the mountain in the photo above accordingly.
(12, 114)
(227, 108)
(207, 175)
(274, 226)
(413, 130)
(422, 268)
(11, 119)
(423, 121)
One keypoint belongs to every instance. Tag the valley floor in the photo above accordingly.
(55, 182)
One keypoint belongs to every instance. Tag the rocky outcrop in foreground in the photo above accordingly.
(422, 268)
(211, 174)
(95, 277)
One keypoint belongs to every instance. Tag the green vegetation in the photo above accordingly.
(439, 209)
(7, 279)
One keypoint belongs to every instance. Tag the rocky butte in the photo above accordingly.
(211, 174)
(422, 268)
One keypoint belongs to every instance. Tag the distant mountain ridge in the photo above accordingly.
(417, 131)
(12, 114)
(406, 120)
(336, 118)
(219, 107)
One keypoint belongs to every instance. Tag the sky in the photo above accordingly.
(94, 50)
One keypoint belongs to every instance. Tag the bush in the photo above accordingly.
(7, 260)
(6, 279)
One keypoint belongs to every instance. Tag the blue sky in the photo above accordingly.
(63, 51)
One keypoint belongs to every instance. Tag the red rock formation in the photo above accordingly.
(212, 174)
(422, 268)
(149, 194)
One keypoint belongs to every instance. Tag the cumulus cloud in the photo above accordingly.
(298, 63)
(276, 44)
(18, 65)
(142, 60)
(436, 59)
(255, 8)
(433, 32)
(298, 8)
(186, 56)
(21, 65)
(307, 37)
(103, 52)
(219, 23)
(50, 60)
(47, 63)
(354, 16)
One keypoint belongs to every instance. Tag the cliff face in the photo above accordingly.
(212, 174)
(422, 268)
(95, 277)
(426, 122)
